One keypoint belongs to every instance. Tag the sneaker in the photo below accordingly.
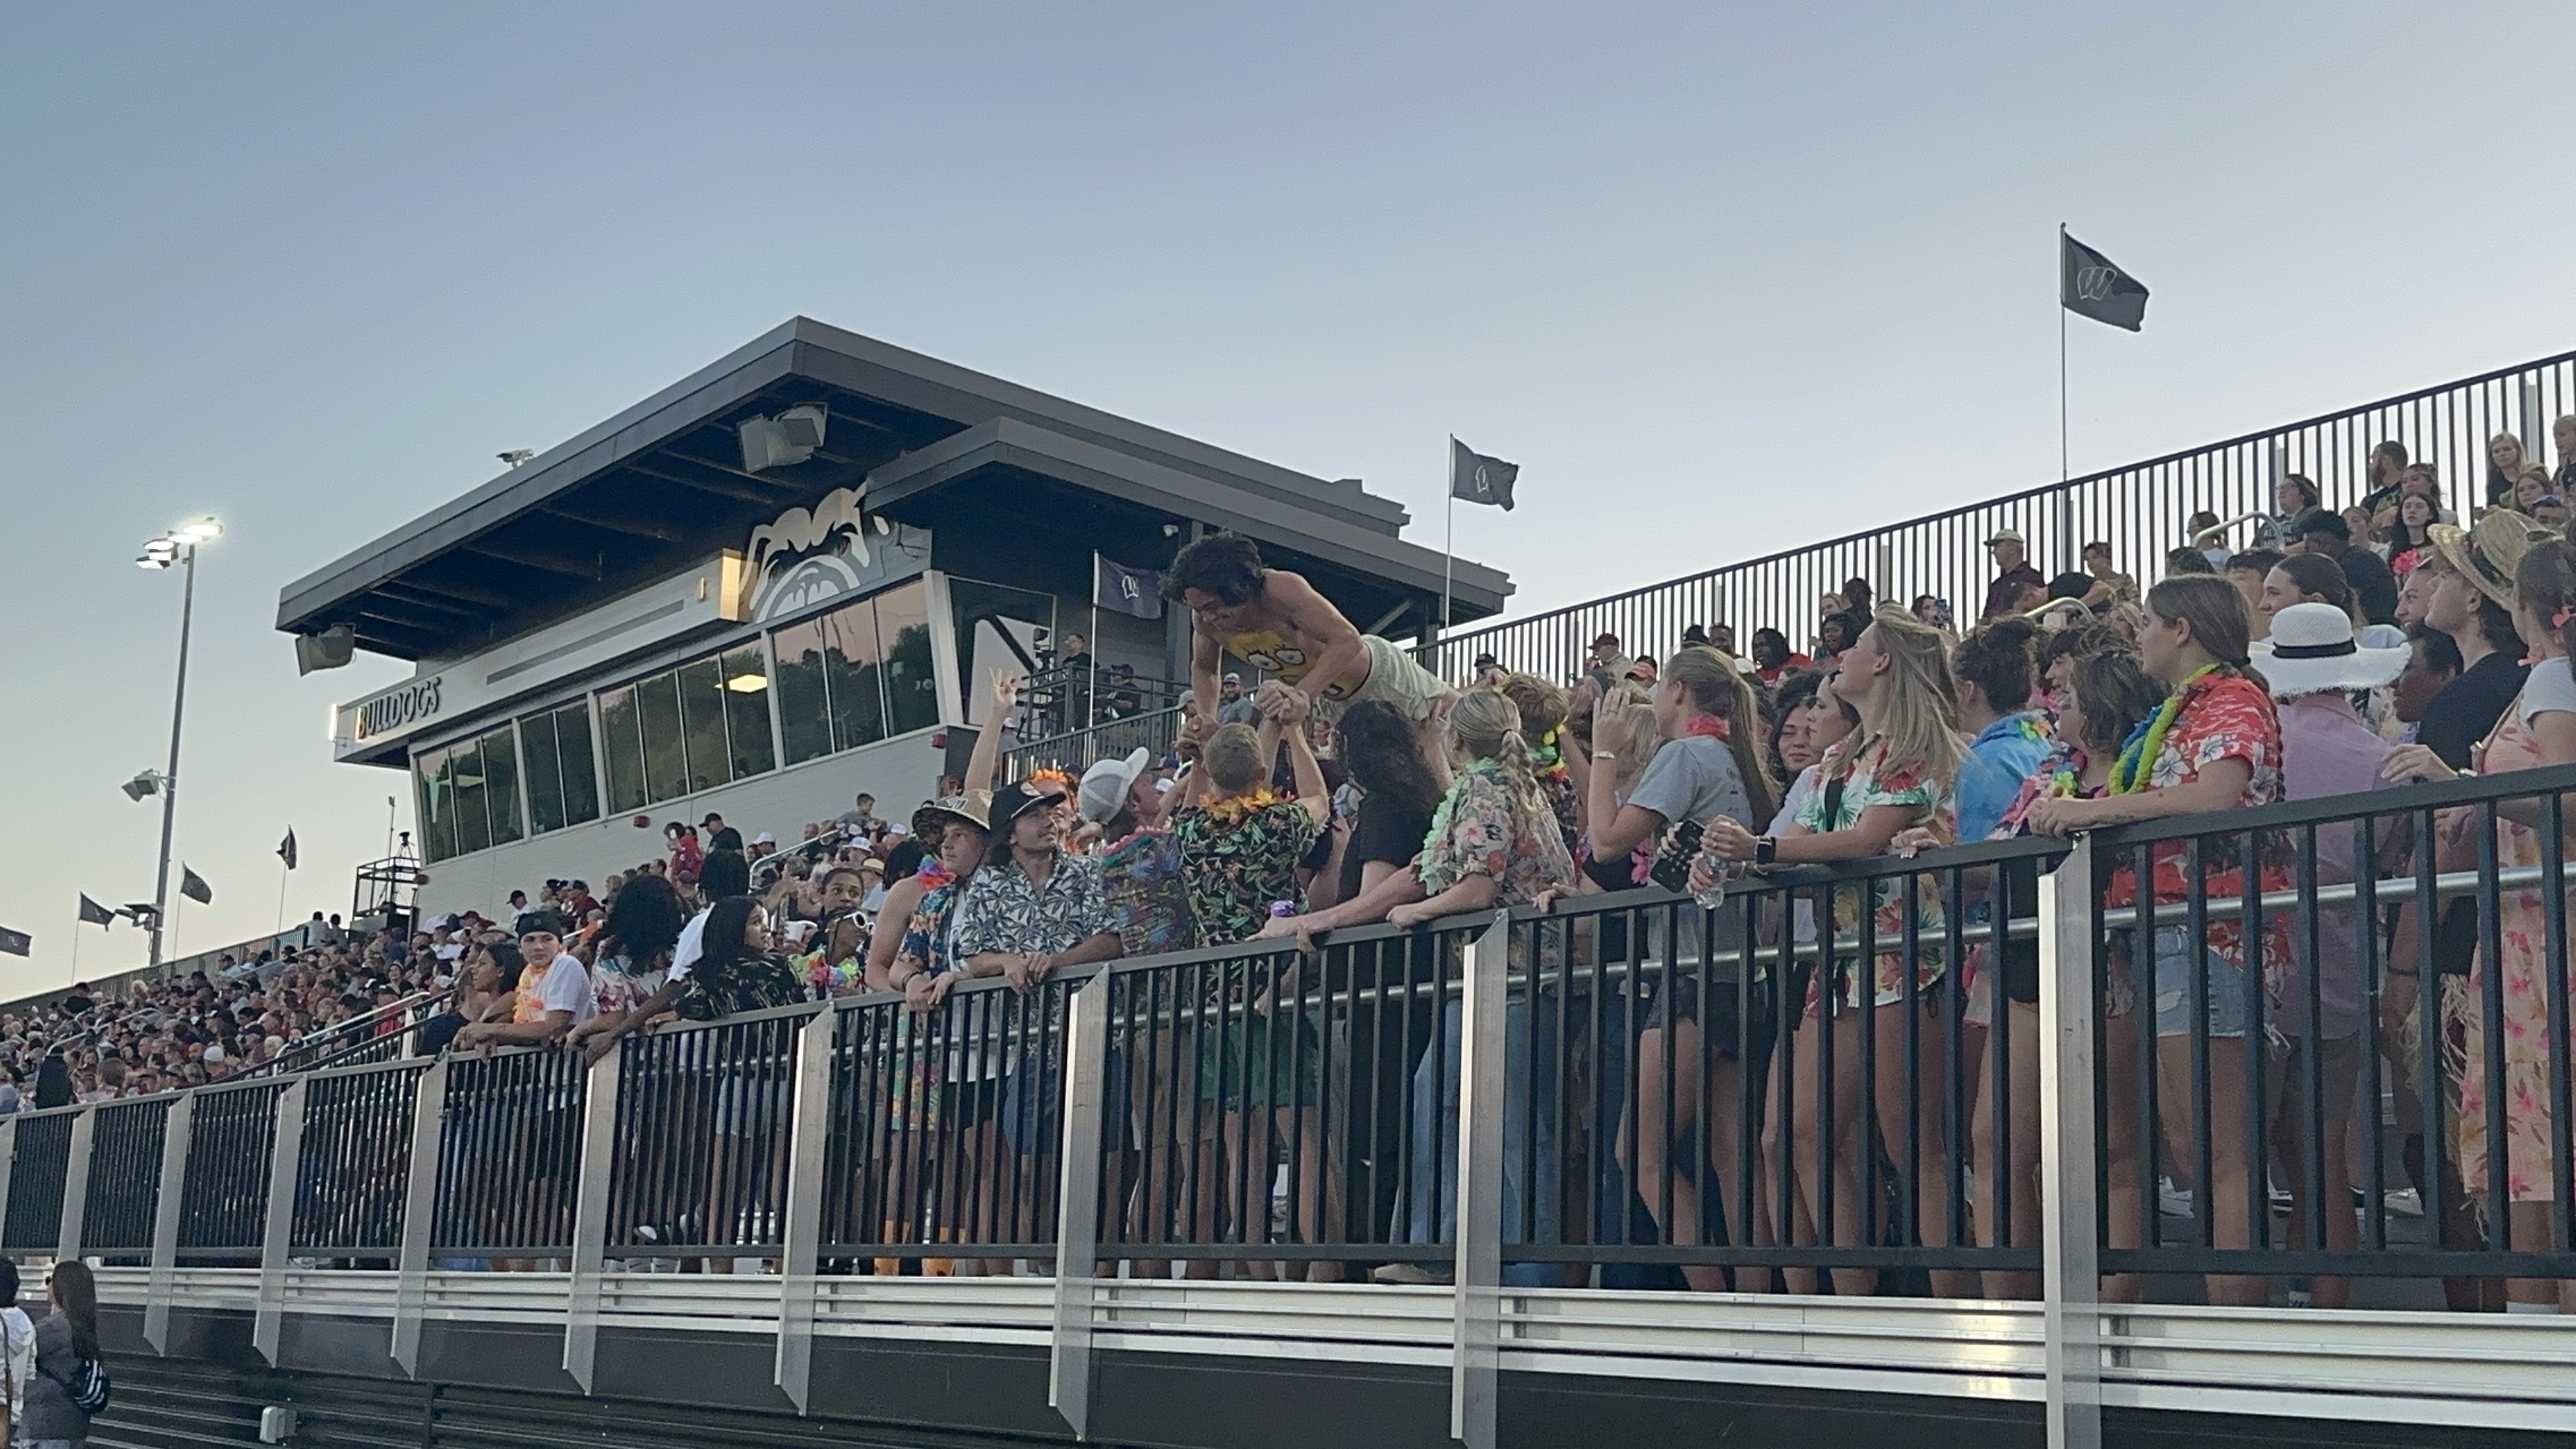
(2405, 1202)
(1409, 1274)
(2172, 1201)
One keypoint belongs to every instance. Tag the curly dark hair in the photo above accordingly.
(2000, 658)
(1378, 750)
(1227, 565)
(645, 918)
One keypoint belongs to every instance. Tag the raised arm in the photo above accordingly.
(1286, 709)
(987, 754)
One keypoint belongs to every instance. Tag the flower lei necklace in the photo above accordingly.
(2137, 762)
(933, 875)
(1234, 811)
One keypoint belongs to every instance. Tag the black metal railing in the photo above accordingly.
(1059, 700)
(1827, 1076)
(2141, 510)
(1075, 751)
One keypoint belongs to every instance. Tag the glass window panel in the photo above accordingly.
(746, 699)
(999, 630)
(850, 662)
(545, 776)
(473, 826)
(702, 715)
(804, 711)
(622, 737)
(580, 777)
(911, 687)
(666, 772)
(437, 804)
(501, 784)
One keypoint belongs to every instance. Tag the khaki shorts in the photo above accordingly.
(1394, 679)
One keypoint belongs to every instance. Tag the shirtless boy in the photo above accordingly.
(1276, 621)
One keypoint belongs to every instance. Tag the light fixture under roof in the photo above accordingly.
(748, 683)
(790, 437)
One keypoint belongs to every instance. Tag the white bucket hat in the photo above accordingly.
(2312, 650)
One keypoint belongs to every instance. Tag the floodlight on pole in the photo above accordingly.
(179, 545)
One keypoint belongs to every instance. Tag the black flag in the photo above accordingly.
(94, 914)
(286, 848)
(16, 943)
(194, 887)
(2090, 285)
(1476, 478)
(1137, 593)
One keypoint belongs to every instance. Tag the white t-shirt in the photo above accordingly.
(20, 1333)
(567, 988)
(2551, 686)
(691, 945)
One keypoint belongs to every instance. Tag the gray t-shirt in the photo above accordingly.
(1695, 778)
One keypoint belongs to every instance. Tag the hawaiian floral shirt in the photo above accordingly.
(927, 941)
(1142, 877)
(2224, 716)
(1868, 780)
(1003, 910)
(1486, 827)
(1233, 869)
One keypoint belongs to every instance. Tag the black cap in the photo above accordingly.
(548, 922)
(1013, 801)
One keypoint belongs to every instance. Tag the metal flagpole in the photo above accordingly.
(1449, 537)
(281, 895)
(2065, 498)
(170, 777)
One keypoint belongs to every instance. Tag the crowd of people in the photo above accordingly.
(2340, 652)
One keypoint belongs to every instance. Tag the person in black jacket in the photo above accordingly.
(53, 1082)
(66, 1342)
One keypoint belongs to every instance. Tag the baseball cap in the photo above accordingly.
(1015, 800)
(764, 838)
(1608, 640)
(712, 819)
(1486, 661)
(547, 922)
(1105, 785)
(1234, 679)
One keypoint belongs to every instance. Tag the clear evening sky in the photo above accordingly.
(1721, 278)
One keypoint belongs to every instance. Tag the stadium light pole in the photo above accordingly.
(178, 546)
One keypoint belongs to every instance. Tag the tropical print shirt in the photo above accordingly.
(1235, 864)
(1486, 827)
(1004, 910)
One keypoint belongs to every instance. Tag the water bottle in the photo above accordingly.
(1715, 895)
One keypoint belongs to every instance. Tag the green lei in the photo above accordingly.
(2137, 762)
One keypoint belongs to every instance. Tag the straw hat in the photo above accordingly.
(974, 807)
(2312, 650)
(2489, 553)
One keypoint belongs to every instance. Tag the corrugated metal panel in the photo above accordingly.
(500, 1419)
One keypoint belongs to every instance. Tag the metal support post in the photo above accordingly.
(590, 1219)
(1476, 1354)
(76, 1186)
(178, 1133)
(420, 1213)
(1077, 1229)
(278, 1242)
(8, 1161)
(800, 1253)
(2069, 1157)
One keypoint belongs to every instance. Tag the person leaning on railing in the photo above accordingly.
(554, 993)
(1898, 772)
(2214, 746)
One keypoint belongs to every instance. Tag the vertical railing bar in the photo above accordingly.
(420, 1213)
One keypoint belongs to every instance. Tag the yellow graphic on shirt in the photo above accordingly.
(1272, 654)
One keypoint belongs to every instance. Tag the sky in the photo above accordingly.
(1721, 278)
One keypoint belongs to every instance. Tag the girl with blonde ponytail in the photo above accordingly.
(1896, 773)
(1493, 841)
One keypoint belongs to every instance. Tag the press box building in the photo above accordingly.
(779, 583)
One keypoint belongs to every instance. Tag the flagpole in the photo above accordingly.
(1449, 536)
(2065, 499)
(282, 869)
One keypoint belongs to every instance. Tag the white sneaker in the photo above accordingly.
(2405, 1202)
(1410, 1274)
(2172, 1201)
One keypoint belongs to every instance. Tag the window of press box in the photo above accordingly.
(855, 675)
(1000, 630)
(469, 794)
(562, 783)
(693, 728)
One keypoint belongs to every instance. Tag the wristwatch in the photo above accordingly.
(1766, 849)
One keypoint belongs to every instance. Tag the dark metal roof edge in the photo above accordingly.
(1041, 450)
(1065, 412)
(560, 468)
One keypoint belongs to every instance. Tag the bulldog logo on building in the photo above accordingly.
(809, 555)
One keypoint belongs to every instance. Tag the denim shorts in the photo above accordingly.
(2227, 1014)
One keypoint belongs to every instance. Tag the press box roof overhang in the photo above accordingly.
(654, 488)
